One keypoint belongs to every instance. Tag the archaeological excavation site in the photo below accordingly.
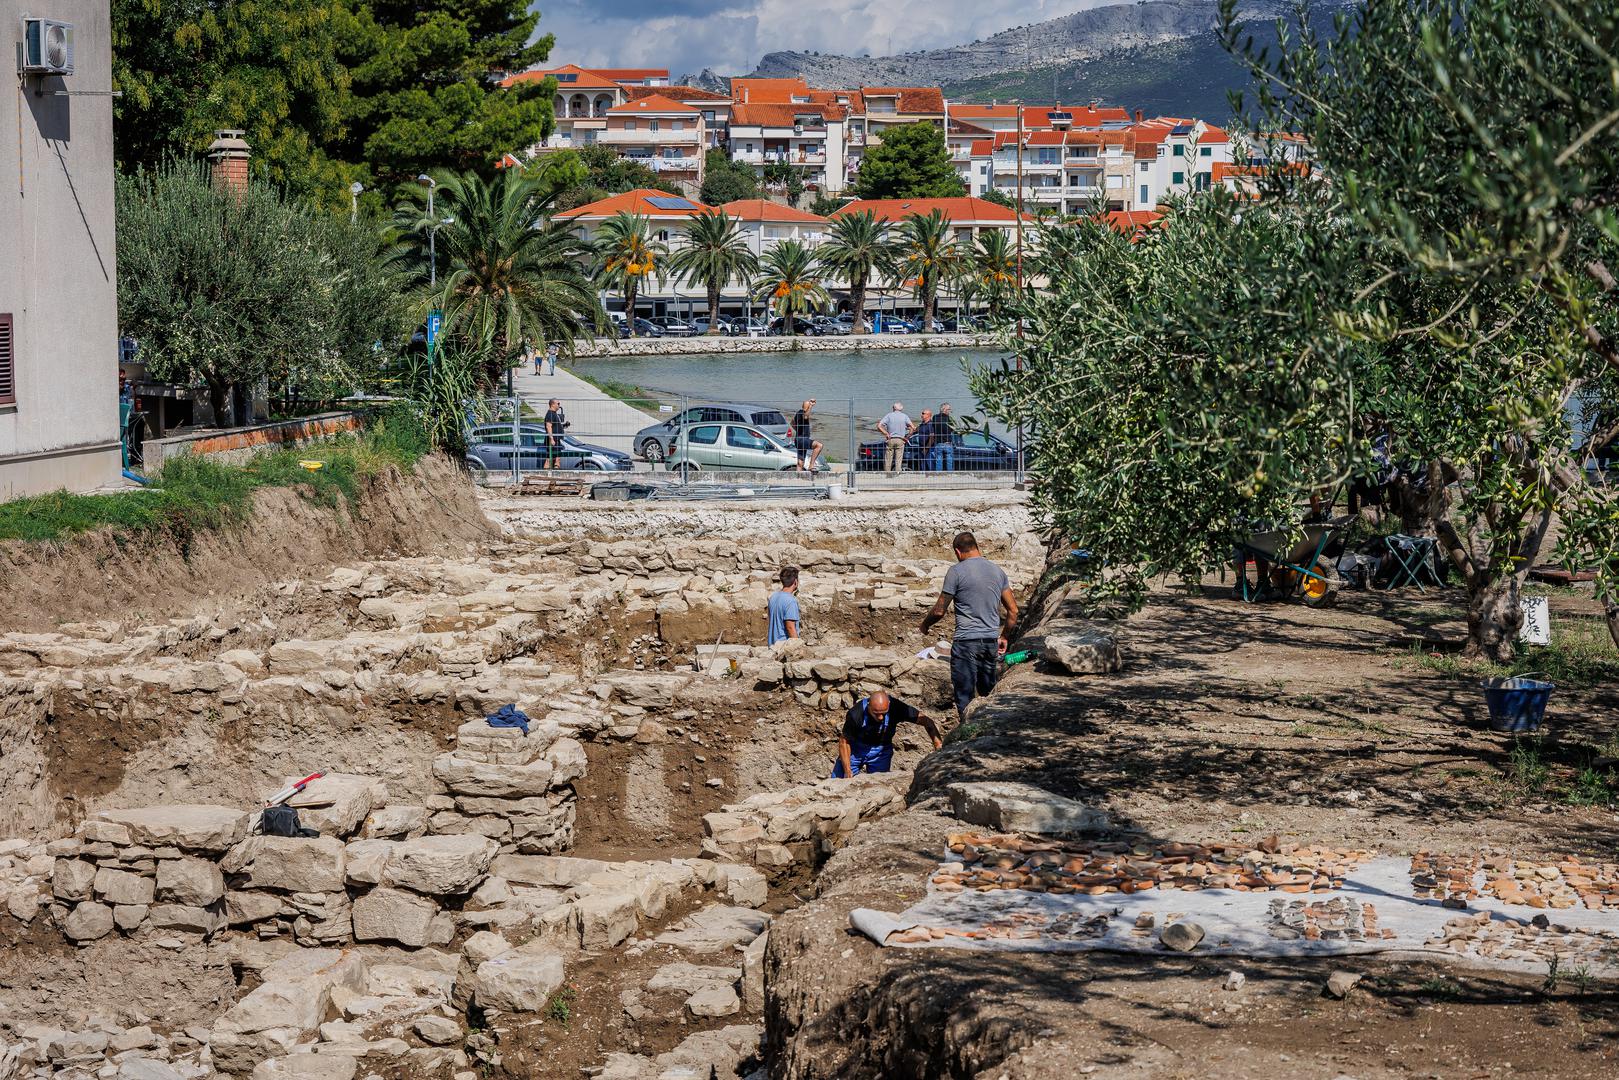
(562, 812)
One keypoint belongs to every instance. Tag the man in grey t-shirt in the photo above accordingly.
(980, 591)
(895, 428)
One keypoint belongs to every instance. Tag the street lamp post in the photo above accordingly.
(432, 258)
(432, 250)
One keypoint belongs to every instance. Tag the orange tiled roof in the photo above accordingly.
(775, 114)
(582, 79)
(765, 210)
(679, 93)
(850, 99)
(652, 103)
(1039, 116)
(1128, 221)
(621, 74)
(767, 91)
(957, 210)
(632, 202)
(912, 99)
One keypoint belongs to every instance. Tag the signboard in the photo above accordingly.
(435, 323)
(1537, 620)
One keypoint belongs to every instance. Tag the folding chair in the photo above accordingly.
(1413, 561)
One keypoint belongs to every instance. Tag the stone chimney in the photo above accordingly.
(229, 153)
(1140, 115)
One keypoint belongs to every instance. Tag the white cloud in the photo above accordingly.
(732, 35)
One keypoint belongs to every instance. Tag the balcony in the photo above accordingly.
(757, 158)
(641, 137)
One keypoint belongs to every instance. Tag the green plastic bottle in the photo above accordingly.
(1019, 657)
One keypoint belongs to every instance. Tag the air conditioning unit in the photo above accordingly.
(47, 47)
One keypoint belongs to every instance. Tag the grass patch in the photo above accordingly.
(1581, 655)
(1585, 778)
(192, 494)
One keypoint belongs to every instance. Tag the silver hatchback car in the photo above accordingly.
(729, 446)
(655, 443)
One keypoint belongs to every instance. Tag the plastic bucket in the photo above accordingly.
(1516, 704)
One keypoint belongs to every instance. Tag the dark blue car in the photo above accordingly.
(976, 451)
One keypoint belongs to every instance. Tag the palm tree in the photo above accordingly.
(855, 250)
(787, 282)
(714, 254)
(626, 254)
(992, 267)
(508, 277)
(926, 254)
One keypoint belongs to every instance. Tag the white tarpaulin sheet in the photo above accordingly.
(1260, 923)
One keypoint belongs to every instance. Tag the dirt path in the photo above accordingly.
(1230, 722)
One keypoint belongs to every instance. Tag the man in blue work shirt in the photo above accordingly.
(783, 608)
(866, 743)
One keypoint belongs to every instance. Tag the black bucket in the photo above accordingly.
(1517, 705)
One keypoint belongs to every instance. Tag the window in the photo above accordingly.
(708, 115)
(497, 438)
(769, 418)
(663, 234)
(629, 125)
(1180, 150)
(676, 125)
(705, 436)
(690, 416)
(1144, 196)
(8, 360)
(1177, 178)
(1047, 155)
(652, 125)
(1201, 181)
(745, 439)
(1205, 151)
(1142, 167)
(975, 440)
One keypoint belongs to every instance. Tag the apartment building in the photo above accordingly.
(582, 101)
(808, 137)
(665, 135)
(716, 108)
(1175, 156)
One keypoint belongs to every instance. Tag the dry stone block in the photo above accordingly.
(440, 865)
(567, 760)
(337, 803)
(385, 914)
(465, 777)
(714, 1001)
(1014, 807)
(520, 980)
(128, 918)
(741, 885)
(396, 822)
(189, 881)
(291, 863)
(1078, 650)
(88, 921)
(122, 887)
(189, 827)
(551, 871)
(250, 906)
(72, 879)
(183, 917)
(606, 918)
(102, 832)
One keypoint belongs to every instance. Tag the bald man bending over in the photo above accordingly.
(867, 740)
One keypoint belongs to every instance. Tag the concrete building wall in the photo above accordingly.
(58, 261)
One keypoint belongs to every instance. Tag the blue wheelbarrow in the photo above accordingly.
(1297, 564)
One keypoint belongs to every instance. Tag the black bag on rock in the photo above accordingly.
(283, 821)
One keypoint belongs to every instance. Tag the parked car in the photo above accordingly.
(702, 324)
(655, 443)
(489, 448)
(976, 451)
(894, 324)
(729, 446)
(803, 327)
(673, 327)
(846, 321)
(827, 325)
(749, 328)
(647, 328)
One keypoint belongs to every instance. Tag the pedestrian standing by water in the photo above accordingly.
(896, 427)
(556, 422)
(539, 360)
(981, 593)
(783, 608)
(866, 743)
(924, 436)
(551, 352)
(942, 455)
(804, 444)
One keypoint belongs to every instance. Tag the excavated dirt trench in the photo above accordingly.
(371, 670)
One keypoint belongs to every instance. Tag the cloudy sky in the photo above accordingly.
(731, 35)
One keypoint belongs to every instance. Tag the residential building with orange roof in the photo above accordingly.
(812, 138)
(715, 107)
(665, 135)
(580, 104)
(765, 224)
(1175, 156)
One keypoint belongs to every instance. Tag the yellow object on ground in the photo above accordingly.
(312, 465)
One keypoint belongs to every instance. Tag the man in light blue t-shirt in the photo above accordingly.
(783, 607)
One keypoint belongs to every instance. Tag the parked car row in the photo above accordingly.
(490, 449)
(975, 451)
(811, 326)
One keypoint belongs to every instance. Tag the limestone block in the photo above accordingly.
(337, 803)
(128, 917)
(190, 881)
(145, 1068)
(307, 657)
(88, 921)
(72, 879)
(741, 885)
(121, 887)
(270, 1020)
(464, 777)
(187, 918)
(521, 980)
(551, 871)
(567, 760)
(307, 1066)
(189, 827)
(291, 863)
(606, 918)
(385, 914)
(245, 660)
(364, 861)
(484, 945)
(102, 832)
(688, 979)
(245, 907)
(440, 865)
(1015, 807)
(753, 973)
(400, 821)
(714, 1001)
(1079, 650)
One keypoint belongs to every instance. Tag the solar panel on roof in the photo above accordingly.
(669, 202)
(1182, 129)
